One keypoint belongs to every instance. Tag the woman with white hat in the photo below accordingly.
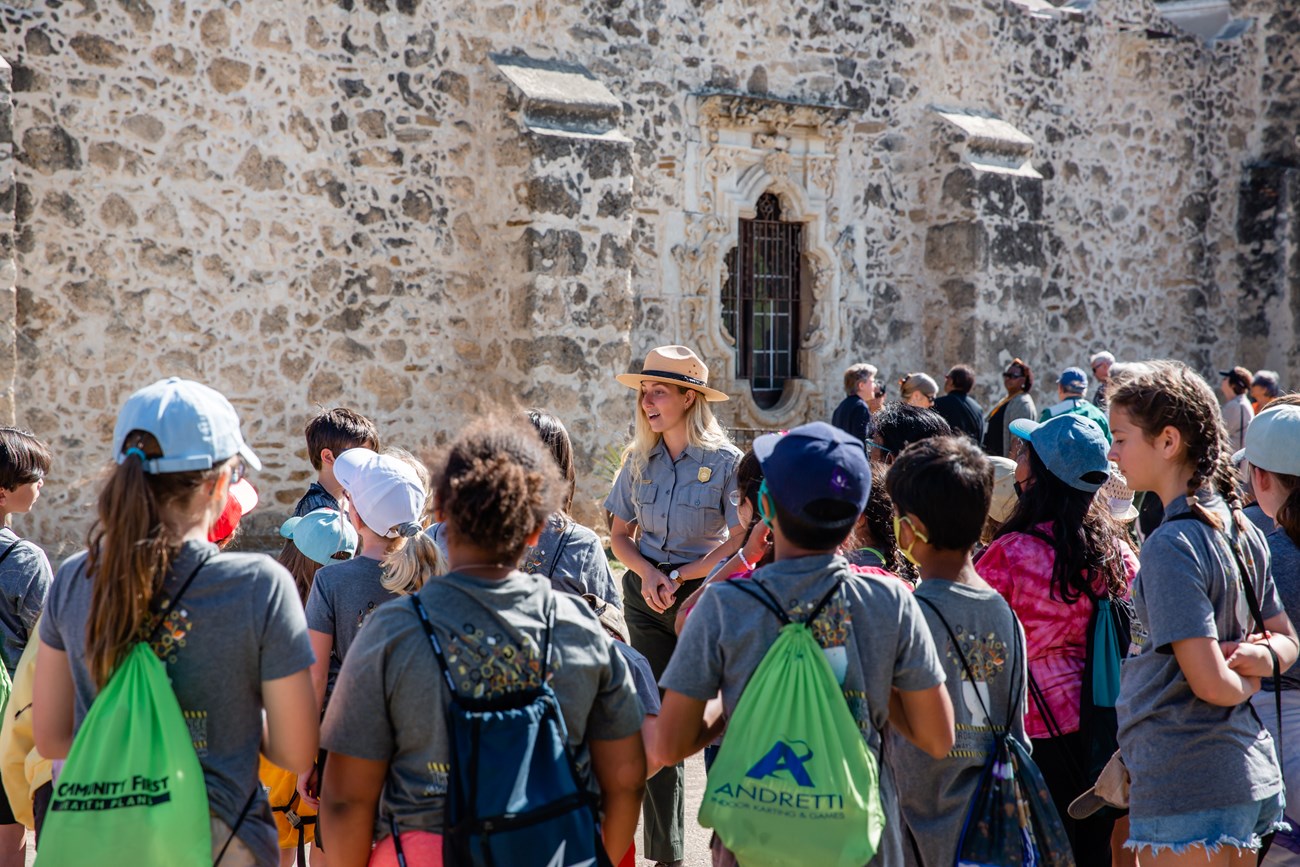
(674, 519)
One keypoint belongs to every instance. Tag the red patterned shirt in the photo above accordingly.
(1019, 566)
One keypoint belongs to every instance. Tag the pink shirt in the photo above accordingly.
(1019, 566)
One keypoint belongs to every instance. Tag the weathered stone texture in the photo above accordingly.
(316, 203)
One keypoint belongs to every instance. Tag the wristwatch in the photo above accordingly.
(675, 576)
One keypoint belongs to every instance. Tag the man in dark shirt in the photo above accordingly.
(852, 415)
(956, 406)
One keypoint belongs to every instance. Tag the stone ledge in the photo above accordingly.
(992, 144)
(562, 99)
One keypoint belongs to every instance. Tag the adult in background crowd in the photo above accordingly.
(853, 416)
(1018, 379)
(1264, 389)
(1237, 411)
(918, 389)
(1100, 364)
(675, 484)
(957, 407)
(1070, 387)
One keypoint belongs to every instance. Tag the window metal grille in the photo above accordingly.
(760, 300)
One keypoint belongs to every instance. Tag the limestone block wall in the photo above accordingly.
(314, 202)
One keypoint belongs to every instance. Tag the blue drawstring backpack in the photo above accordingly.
(515, 794)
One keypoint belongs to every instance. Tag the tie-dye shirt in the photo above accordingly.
(1019, 566)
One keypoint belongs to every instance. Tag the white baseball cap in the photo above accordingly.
(384, 490)
(1273, 441)
(196, 427)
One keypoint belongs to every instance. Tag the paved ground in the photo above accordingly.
(697, 838)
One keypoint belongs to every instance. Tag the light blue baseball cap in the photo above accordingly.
(322, 534)
(1273, 440)
(196, 427)
(1072, 447)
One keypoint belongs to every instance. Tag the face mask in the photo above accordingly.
(762, 504)
(916, 534)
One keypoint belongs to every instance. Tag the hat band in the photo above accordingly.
(680, 377)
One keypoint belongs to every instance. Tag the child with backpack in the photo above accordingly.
(1206, 786)
(319, 538)
(941, 489)
(797, 778)
(385, 502)
(1056, 560)
(484, 638)
(571, 556)
(227, 627)
(24, 583)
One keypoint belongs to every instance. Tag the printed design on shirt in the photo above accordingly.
(439, 774)
(533, 560)
(197, 721)
(987, 656)
(857, 702)
(491, 665)
(171, 633)
(364, 613)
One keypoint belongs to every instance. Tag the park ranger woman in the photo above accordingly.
(674, 520)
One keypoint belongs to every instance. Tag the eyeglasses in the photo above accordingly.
(875, 445)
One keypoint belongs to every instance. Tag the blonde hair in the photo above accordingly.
(702, 431)
(410, 560)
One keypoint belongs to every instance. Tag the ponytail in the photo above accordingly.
(1288, 514)
(130, 551)
(410, 562)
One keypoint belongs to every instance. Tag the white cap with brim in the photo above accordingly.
(195, 426)
(1273, 441)
(384, 490)
(1110, 790)
(1005, 498)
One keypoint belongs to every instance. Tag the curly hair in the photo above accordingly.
(498, 485)
(1170, 394)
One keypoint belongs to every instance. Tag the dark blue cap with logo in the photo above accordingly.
(815, 462)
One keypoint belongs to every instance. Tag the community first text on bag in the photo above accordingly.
(794, 784)
(131, 793)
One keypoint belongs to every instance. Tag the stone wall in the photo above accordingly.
(308, 203)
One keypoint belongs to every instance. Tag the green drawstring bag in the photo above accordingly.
(131, 793)
(794, 784)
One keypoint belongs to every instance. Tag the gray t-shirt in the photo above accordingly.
(577, 566)
(934, 794)
(240, 623)
(391, 701)
(1286, 575)
(24, 583)
(1185, 754)
(872, 633)
(643, 677)
(343, 595)
(683, 506)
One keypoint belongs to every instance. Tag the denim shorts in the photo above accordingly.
(1241, 826)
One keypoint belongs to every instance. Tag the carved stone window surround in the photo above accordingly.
(741, 147)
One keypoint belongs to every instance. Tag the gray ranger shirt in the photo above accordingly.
(683, 506)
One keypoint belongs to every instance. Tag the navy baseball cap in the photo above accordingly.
(815, 462)
(1072, 447)
(1073, 380)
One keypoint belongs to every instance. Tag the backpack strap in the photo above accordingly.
(559, 547)
(161, 604)
(243, 814)
(12, 545)
(768, 601)
(433, 641)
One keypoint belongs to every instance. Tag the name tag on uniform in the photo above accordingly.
(704, 474)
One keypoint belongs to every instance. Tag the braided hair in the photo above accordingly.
(1170, 394)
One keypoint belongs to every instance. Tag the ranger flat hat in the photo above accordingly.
(676, 365)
